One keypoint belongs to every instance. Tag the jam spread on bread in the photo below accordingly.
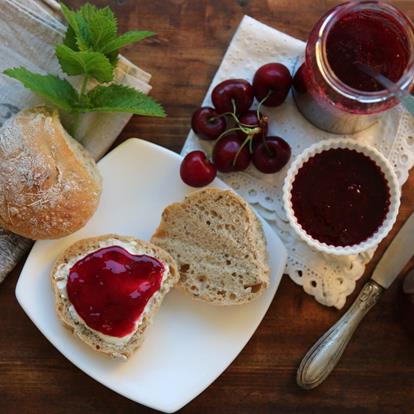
(340, 197)
(110, 288)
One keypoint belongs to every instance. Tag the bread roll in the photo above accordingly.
(49, 185)
(114, 347)
(218, 244)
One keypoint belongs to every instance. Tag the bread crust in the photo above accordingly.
(80, 249)
(49, 184)
(219, 246)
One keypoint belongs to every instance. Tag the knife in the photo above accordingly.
(322, 358)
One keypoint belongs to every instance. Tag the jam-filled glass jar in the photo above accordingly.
(330, 89)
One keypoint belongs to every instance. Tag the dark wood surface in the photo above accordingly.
(376, 373)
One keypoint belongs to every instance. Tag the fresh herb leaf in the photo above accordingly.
(119, 98)
(79, 26)
(70, 39)
(113, 57)
(90, 12)
(93, 64)
(90, 28)
(125, 39)
(70, 17)
(57, 91)
(93, 29)
(101, 23)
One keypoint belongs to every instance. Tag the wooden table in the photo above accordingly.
(376, 374)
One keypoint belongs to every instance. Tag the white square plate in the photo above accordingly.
(190, 343)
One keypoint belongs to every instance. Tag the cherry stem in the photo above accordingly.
(240, 149)
(252, 131)
(237, 120)
(251, 146)
(249, 126)
(227, 131)
(261, 103)
(234, 106)
(232, 115)
(269, 151)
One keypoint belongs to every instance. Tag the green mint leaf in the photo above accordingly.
(89, 12)
(125, 39)
(58, 92)
(119, 98)
(101, 23)
(93, 64)
(70, 17)
(70, 39)
(77, 34)
(113, 57)
(79, 27)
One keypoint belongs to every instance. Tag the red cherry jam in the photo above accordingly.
(340, 197)
(110, 288)
(330, 89)
(371, 38)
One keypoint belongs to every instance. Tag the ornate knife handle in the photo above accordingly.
(322, 358)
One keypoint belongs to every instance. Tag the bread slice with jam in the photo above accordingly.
(98, 288)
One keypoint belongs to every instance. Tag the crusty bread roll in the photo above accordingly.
(218, 244)
(49, 185)
(67, 313)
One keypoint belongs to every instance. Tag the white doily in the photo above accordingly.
(330, 279)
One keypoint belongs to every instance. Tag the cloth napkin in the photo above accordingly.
(330, 279)
(29, 29)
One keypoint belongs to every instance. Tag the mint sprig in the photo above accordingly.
(93, 64)
(124, 40)
(93, 27)
(119, 98)
(90, 48)
(57, 91)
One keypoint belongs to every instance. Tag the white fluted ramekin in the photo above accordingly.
(390, 177)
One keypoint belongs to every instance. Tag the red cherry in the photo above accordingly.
(250, 118)
(272, 155)
(299, 83)
(225, 151)
(207, 123)
(196, 170)
(238, 91)
(274, 78)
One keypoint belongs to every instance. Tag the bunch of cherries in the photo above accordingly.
(240, 133)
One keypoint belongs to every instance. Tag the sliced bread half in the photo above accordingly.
(113, 346)
(218, 244)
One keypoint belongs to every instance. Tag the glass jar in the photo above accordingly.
(329, 88)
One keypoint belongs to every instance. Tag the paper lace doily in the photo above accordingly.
(330, 279)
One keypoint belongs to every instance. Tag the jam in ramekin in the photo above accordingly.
(340, 197)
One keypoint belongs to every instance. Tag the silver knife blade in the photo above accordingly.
(397, 255)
